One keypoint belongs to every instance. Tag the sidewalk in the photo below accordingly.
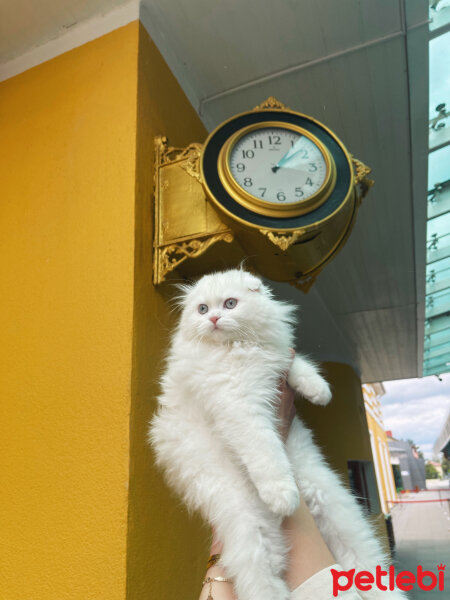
(422, 535)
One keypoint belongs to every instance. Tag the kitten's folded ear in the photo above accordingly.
(258, 286)
(254, 283)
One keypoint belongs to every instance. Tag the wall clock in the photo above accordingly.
(271, 184)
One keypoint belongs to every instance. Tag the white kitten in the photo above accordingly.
(215, 434)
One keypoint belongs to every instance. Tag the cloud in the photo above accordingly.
(407, 389)
(417, 409)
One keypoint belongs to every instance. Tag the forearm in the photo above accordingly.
(308, 550)
(308, 555)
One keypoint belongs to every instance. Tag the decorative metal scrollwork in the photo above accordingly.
(188, 157)
(271, 104)
(174, 254)
(361, 179)
(283, 240)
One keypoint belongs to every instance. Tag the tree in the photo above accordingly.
(431, 472)
(445, 465)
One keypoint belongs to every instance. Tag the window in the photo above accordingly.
(363, 484)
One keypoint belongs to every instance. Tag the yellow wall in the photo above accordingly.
(341, 427)
(167, 550)
(83, 329)
(67, 161)
(385, 478)
(380, 448)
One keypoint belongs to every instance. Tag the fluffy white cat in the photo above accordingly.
(215, 435)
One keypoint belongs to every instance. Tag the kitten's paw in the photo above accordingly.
(316, 390)
(282, 497)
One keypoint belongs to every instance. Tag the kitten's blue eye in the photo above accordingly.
(202, 308)
(230, 303)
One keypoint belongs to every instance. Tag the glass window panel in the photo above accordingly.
(439, 200)
(437, 353)
(440, 75)
(438, 361)
(445, 369)
(438, 247)
(437, 303)
(440, 337)
(437, 281)
(439, 13)
(439, 267)
(440, 298)
(438, 226)
(439, 270)
(436, 350)
(437, 368)
(438, 166)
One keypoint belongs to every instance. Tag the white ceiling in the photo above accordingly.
(359, 66)
(27, 23)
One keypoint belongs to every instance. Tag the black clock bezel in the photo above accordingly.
(217, 191)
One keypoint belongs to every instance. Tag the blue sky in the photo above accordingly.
(417, 409)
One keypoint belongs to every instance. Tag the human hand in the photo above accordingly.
(216, 544)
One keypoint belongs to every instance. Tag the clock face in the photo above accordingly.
(278, 165)
(273, 168)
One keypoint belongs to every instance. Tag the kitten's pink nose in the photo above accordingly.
(214, 320)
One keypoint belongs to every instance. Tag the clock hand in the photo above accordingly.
(289, 154)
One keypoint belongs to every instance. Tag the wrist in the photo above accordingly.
(216, 571)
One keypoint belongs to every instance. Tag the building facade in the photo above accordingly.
(408, 466)
(379, 443)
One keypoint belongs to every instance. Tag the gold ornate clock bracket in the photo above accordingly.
(174, 254)
(283, 240)
(363, 182)
(188, 157)
(185, 223)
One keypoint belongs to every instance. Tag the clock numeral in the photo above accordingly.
(304, 154)
(312, 167)
(263, 191)
(308, 181)
(240, 167)
(248, 154)
(257, 144)
(281, 196)
(248, 182)
(274, 140)
(299, 192)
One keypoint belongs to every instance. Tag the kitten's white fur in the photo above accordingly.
(215, 434)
